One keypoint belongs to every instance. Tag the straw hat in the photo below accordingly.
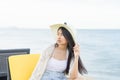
(55, 27)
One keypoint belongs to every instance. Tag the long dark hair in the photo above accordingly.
(70, 45)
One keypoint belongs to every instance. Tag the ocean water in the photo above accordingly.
(99, 49)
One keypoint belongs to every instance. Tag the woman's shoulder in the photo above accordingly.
(50, 48)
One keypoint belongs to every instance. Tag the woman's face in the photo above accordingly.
(60, 38)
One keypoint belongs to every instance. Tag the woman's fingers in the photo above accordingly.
(76, 49)
(76, 45)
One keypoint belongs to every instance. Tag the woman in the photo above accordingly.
(60, 59)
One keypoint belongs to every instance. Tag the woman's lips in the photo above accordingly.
(59, 40)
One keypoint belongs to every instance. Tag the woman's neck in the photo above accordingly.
(62, 47)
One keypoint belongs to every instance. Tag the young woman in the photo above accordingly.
(60, 59)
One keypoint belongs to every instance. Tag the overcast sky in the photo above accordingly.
(87, 14)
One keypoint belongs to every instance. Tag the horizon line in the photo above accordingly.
(49, 28)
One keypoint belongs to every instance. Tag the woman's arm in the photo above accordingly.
(41, 64)
(74, 71)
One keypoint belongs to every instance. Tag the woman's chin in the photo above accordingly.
(61, 44)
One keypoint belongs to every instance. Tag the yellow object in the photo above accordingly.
(22, 66)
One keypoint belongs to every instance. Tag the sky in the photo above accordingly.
(83, 14)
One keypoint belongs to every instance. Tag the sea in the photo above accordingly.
(99, 48)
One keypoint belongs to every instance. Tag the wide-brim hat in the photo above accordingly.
(55, 27)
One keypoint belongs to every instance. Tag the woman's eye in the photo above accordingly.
(59, 34)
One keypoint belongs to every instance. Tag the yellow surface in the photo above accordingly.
(22, 66)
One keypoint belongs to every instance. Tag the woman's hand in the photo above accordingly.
(74, 71)
(76, 50)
